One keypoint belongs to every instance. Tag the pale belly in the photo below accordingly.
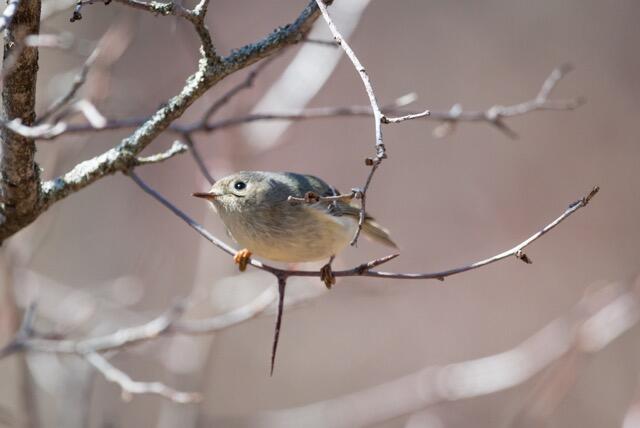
(316, 236)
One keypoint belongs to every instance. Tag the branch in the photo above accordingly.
(198, 159)
(19, 173)
(119, 159)
(449, 118)
(211, 69)
(130, 387)
(496, 114)
(166, 324)
(78, 81)
(9, 12)
(592, 325)
(364, 269)
(176, 148)
(377, 115)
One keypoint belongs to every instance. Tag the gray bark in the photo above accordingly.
(19, 173)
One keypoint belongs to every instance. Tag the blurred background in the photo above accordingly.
(110, 256)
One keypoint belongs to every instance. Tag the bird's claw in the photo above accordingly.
(241, 258)
(327, 276)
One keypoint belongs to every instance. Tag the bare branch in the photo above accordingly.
(600, 318)
(197, 157)
(78, 81)
(168, 323)
(130, 387)
(211, 69)
(496, 114)
(176, 148)
(8, 13)
(19, 172)
(448, 118)
(364, 269)
(377, 114)
(228, 96)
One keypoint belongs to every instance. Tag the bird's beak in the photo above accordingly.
(204, 195)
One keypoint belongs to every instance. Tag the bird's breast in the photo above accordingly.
(293, 233)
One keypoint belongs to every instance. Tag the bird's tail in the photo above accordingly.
(378, 233)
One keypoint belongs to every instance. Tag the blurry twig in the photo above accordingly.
(449, 118)
(245, 84)
(8, 13)
(496, 114)
(130, 387)
(551, 390)
(78, 81)
(168, 323)
(593, 324)
(197, 157)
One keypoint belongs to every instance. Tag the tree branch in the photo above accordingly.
(9, 12)
(19, 173)
(593, 324)
(364, 269)
(449, 118)
(130, 387)
(211, 69)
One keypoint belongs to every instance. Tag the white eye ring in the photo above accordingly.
(239, 185)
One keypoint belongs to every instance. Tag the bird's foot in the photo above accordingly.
(327, 276)
(241, 258)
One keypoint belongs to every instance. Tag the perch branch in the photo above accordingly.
(364, 269)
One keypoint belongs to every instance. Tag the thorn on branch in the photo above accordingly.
(586, 199)
(591, 194)
(520, 255)
(364, 267)
(311, 197)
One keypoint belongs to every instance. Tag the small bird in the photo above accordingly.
(258, 210)
(255, 207)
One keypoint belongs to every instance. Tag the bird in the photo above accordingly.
(288, 217)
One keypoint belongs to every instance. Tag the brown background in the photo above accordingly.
(448, 202)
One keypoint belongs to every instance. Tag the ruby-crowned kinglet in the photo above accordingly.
(255, 208)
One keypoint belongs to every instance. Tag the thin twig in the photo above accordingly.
(592, 320)
(78, 81)
(282, 285)
(245, 84)
(375, 107)
(448, 118)
(130, 387)
(364, 269)
(198, 158)
(176, 148)
(168, 323)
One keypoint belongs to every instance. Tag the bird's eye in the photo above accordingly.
(239, 185)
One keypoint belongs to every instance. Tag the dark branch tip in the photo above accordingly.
(520, 255)
(591, 194)
(311, 197)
